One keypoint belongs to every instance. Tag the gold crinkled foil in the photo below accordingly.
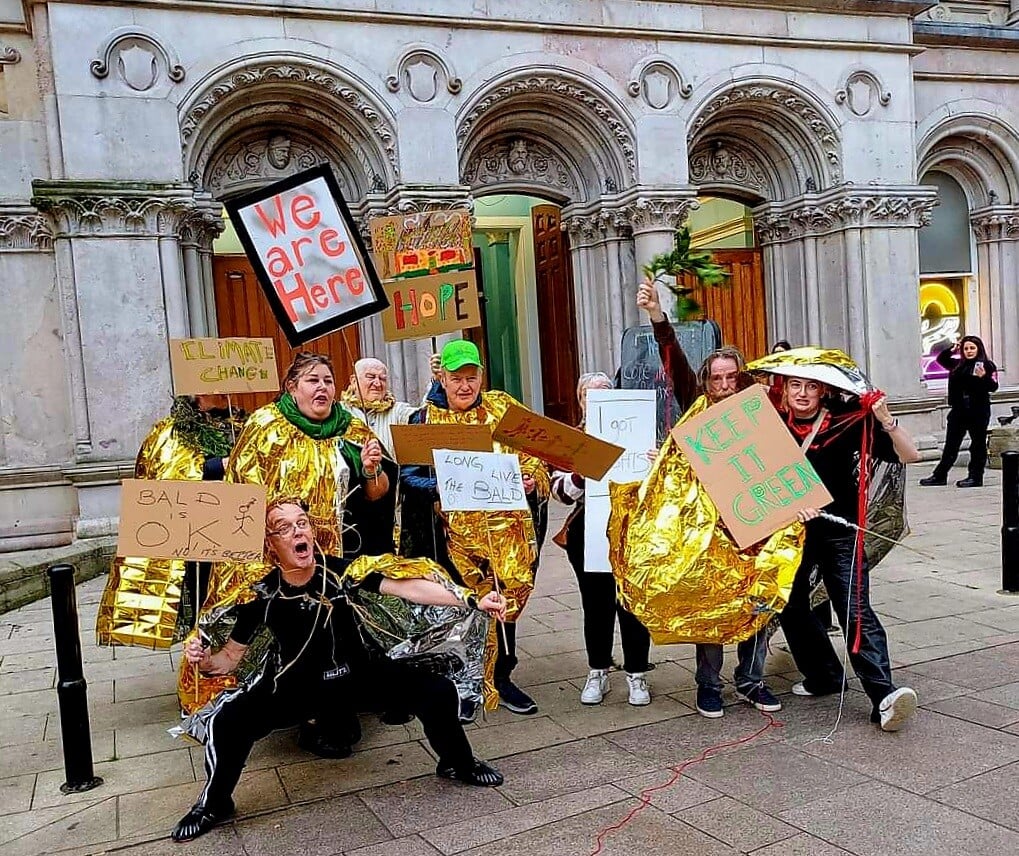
(139, 604)
(678, 570)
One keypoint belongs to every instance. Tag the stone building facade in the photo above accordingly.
(123, 125)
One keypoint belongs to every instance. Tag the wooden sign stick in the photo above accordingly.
(495, 580)
(357, 386)
(233, 433)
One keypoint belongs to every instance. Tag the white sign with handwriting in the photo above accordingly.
(479, 481)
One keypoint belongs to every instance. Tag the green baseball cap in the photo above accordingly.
(460, 353)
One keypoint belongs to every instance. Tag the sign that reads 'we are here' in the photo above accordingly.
(308, 255)
(751, 467)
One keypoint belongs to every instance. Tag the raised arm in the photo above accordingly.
(683, 377)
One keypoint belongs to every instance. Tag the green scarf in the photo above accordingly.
(334, 424)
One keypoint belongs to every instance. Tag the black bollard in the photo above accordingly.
(1009, 523)
(71, 690)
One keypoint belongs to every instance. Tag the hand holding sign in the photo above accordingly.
(479, 481)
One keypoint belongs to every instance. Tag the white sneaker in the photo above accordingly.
(800, 690)
(596, 687)
(639, 693)
(896, 708)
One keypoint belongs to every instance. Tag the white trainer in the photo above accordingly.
(896, 708)
(640, 695)
(596, 687)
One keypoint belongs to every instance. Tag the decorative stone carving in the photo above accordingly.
(657, 82)
(423, 71)
(654, 213)
(410, 199)
(503, 161)
(766, 97)
(275, 156)
(203, 223)
(997, 223)
(23, 228)
(573, 90)
(9, 56)
(139, 57)
(293, 72)
(994, 12)
(844, 208)
(860, 91)
(725, 162)
(113, 208)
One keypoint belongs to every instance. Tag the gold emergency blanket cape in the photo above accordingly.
(503, 540)
(676, 567)
(139, 605)
(449, 639)
(271, 451)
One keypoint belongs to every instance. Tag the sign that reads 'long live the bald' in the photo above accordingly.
(308, 255)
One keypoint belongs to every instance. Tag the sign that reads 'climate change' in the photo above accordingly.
(307, 252)
(751, 467)
(210, 366)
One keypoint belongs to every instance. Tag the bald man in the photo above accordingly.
(368, 397)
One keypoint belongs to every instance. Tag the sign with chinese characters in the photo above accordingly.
(201, 521)
(310, 260)
(750, 465)
(479, 481)
(214, 366)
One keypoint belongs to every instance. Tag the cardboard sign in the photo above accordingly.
(414, 444)
(563, 447)
(430, 305)
(200, 521)
(427, 242)
(210, 366)
(479, 481)
(750, 465)
(624, 417)
(311, 263)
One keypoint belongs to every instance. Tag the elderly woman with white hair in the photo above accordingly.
(598, 590)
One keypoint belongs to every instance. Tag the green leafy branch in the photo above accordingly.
(682, 260)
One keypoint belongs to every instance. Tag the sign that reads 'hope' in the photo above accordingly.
(479, 481)
(430, 306)
(307, 252)
(751, 467)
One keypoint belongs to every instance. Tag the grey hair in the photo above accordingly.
(587, 378)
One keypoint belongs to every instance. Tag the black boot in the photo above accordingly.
(969, 481)
(933, 480)
(200, 820)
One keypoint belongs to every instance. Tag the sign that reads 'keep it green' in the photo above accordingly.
(750, 465)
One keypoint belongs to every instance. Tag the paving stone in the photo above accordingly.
(144, 686)
(485, 829)
(898, 822)
(27, 680)
(135, 740)
(523, 734)
(602, 719)
(21, 823)
(802, 845)
(91, 824)
(991, 796)
(100, 693)
(563, 622)
(570, 767)
(16, 793)
(19, 729)
(372, 768)
(411, 846)
(736, 824)
(37, 756)
(682, 793)
(1002, 619)
(409, 807)
(543, 670)
(318, 829)
(979, 670)
(538, 606)
(937, 631)
(1007, 695)
(975, 710)
(543, 644)
(220, 841)
(928, 689)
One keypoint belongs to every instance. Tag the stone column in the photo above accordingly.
(996, 230)
(120, 275)
(199, 228)
(589, 291)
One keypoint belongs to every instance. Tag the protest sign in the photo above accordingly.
(626, 418)
(563, 447)
(641, 367)
(423, 243)
(749, 464)
(414, 444)
(430, 306)
(479, 481)
(200, 521)
(211, 366)
(309, 257)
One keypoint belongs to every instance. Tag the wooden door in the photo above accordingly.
(738, 307)
(557, 316)
(242, 310)
(477, 335)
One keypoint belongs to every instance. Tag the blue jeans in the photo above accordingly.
(809, 643)
(749, 669)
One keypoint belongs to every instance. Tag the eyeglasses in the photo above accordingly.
(287, 529)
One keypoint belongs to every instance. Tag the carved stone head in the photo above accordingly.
(517, 158)
(721, 161)
(278, 151)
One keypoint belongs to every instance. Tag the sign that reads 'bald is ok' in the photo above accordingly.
(308, 255)
(750, 465)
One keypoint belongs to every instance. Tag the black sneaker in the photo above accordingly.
(760, 697)
(933, 481)
(200, 820)
(468, 710)
(515, 699)
(970, 482)
(476, 773)
(709, 703)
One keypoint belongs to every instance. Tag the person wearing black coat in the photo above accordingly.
(972, 377)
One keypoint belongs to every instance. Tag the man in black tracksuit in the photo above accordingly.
(325, 672)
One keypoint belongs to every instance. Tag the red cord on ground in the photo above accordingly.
(677, 772)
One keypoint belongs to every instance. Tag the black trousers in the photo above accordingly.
(601, 609)
(391, 687)
(808, 641)
(960, 423)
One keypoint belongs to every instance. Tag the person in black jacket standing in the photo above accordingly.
(972, 377)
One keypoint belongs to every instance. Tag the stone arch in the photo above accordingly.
(547, 131)
(323, 111)
(763, 139)
(977, 148)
